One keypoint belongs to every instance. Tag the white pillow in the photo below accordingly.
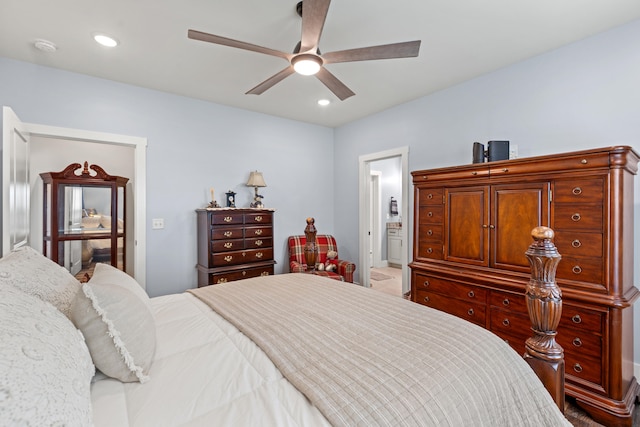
(107, 273)
(45, 366)
(117, 323)
(35, 274)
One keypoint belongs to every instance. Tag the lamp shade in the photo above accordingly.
(256, 180)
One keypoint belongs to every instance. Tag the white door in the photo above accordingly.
(15, 182)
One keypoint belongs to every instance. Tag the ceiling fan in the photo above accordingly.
(306, 57)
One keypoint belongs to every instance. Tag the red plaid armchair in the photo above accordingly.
(324, 243)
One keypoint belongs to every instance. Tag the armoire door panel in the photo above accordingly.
(515, 210)
(466, 225)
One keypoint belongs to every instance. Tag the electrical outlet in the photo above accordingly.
(157, 223)
(513, 151)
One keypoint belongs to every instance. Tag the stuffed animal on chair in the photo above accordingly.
(331, 264)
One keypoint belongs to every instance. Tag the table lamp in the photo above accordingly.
(256, 180)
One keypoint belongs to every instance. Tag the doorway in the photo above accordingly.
(366, 213)
(138, 146)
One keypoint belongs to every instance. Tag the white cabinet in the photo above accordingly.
(394, 246)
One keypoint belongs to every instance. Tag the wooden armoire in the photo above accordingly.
(472, 226)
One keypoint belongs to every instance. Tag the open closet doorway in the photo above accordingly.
(369, 232)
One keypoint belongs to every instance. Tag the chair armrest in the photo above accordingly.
(296, 267)
(346, 269)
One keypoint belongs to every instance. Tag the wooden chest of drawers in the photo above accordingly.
(234, 244)
(472, 226)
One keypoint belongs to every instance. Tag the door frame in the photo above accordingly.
(139, 144)
(375, 243)
(364, 193)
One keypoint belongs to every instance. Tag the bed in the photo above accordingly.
(285, 350)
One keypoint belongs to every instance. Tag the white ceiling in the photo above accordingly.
(461, 39)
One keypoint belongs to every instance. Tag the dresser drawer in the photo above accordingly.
(507, 301)
(227, 245)
(430, 214)
(430, 196)
(430, 233)
(451, 289)
(227, 233)
(228, 217)
(582, 319)
(577, 217)
(581, 269)
(253, 232)
(241, 257)
(510, 322)
(257, 218)
(258, 242)
(217, 278)
(516, 341)
(580, 244)
(579, 191)
(429, 250)
(579, 342)
(585, 368)
(473, 312)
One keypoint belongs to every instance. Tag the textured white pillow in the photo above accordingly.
(45, 366)
(35, 274)
(118, 325)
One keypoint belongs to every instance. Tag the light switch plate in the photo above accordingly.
(157, 223)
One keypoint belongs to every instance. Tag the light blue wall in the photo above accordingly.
(192, 145)
(584, 95)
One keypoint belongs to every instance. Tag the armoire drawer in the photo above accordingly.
(227, 217)
(430, 214)
(471, 311)
(577, 217)
(451, 289)
(579, 191)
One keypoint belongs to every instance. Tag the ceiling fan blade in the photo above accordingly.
(387, 51)
(314, 13)
(334, 85)
(206, 37)
(271, 81)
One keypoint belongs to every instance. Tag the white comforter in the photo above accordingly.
(205, 373)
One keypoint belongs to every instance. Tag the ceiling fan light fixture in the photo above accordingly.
(306, 64)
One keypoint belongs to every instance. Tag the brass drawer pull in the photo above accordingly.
(259, 255)
(244, 272)
(426, 284)
(583, 161)
(228, 233)
(492, 226)
(576, 269)
(258, 232)
(259, 218)
(474, 173)
(259, 242)
(577, 191)
(221, 280)
(576, 243)
(470, 312)
(505, 170)
(506, 322)
(228, 219)
(577, 342)
(506, 301)
(228, 245)
(576, 319)
(577, 368)
(429, 250)
(264, 273)
(471, 294)
(429, 232)
(430, 214)
(228, 258)
(426, 299)
(576, 217)
(429, 196)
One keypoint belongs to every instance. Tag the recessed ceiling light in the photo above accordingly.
(324, 102)
(45, 45)
(105, 40)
